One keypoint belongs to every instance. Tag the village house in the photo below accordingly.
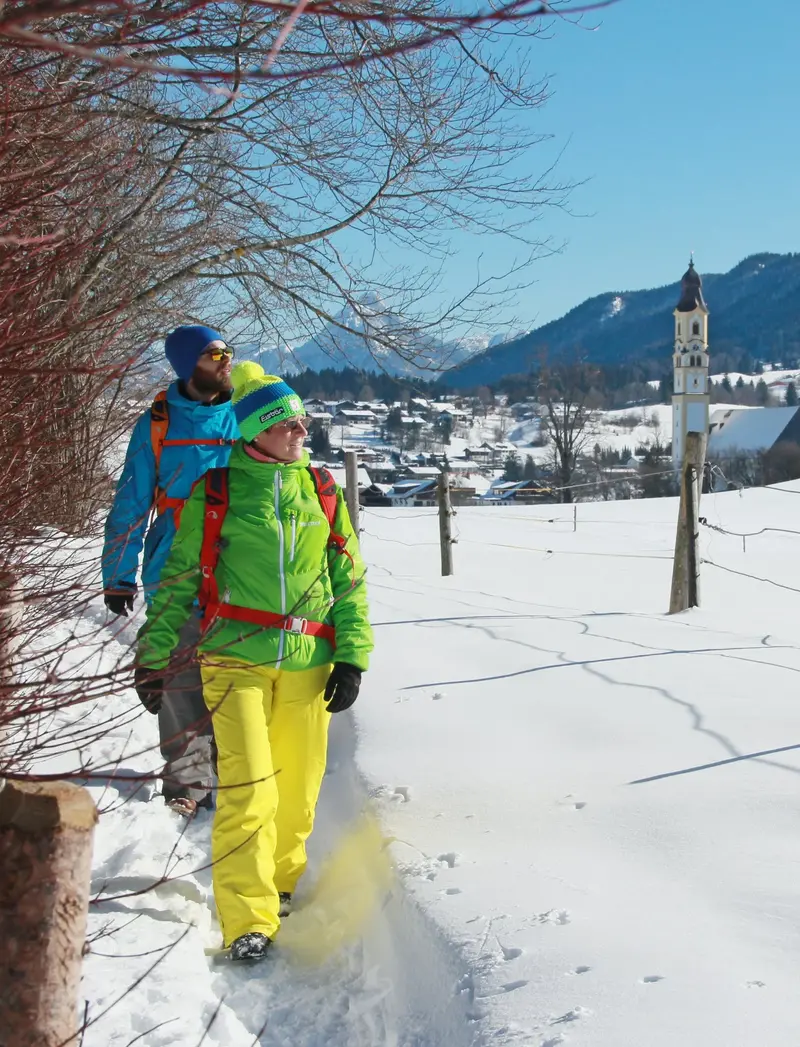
(522, 491)
(354, 416)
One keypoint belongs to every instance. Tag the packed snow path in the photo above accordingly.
(148, 979)
(397, 986)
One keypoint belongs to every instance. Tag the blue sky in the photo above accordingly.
(681, 117)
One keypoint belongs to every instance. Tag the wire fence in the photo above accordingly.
(572, 516)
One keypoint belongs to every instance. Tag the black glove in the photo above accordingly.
(149, 687)
(342, 687)
(119, 600)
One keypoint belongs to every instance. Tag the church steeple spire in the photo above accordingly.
(690, 401)
(691, 290)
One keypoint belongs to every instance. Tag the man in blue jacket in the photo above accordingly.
(188, 430)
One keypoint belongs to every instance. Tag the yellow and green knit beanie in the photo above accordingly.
(261, 400)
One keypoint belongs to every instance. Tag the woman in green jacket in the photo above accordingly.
(285, 641)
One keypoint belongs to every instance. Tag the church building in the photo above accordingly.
(690, 361)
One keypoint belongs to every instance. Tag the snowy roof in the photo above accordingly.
(747, 430)
(477, 483)
(338, 473)
(410, 488)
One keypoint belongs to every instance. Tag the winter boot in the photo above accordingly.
(285, 898)
(250, 947)
(183, 800)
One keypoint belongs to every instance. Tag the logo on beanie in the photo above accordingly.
(276, 412)
(294, 403)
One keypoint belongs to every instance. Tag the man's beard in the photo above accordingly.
(207, 384)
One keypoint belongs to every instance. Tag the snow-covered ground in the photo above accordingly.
(593, 806)
(776, 379)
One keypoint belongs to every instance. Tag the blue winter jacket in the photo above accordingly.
(180, 467)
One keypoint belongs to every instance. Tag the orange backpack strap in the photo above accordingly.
(159, 424)
(216, 506)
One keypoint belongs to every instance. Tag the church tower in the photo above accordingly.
(690, 365)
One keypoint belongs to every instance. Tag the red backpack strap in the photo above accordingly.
(326, 493)
(217, 501)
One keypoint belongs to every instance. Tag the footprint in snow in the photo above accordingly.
(756, 985)
(650, 978)
(450, 859)
(453, 890)
(396, 793)
(520, 983)
(559, 916)
(509, 953)
(572, 1016)
(570, 801)
(582, 969)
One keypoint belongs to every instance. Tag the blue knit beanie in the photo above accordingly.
(185, 345)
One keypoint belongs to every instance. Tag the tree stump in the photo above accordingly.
(46, 832)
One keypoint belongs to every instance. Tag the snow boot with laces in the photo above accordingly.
(250, 947)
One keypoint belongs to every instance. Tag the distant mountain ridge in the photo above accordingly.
(755, 308)
(346, 344)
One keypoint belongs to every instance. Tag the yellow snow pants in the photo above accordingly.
(271, 732)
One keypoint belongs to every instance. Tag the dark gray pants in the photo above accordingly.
(184, 724)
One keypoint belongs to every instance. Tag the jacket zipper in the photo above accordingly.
(294, 538)
(281, 565)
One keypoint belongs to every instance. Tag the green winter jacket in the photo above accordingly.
(274, 557)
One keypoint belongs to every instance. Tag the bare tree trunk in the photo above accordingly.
(46, 834)
(566, 481)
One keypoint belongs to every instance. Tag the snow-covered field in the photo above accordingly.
(593, 806)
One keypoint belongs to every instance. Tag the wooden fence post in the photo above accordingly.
(46, 834)
(445, 524)
(351, 487)
(685, 591)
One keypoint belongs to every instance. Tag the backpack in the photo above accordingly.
(217, 502)
(159, 426)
